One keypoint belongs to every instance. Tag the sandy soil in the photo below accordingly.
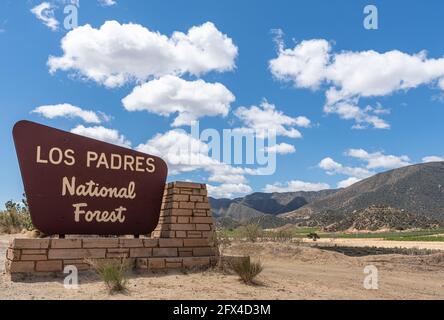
(290, 272)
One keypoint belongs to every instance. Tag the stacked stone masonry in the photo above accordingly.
(184, 238)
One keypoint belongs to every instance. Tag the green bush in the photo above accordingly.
(314, 236)
(113, 273)
(246, 270)
(15, 218)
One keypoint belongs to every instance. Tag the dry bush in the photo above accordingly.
(246, 270)
(251, 232)
(113, 273)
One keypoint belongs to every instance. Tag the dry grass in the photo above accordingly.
(113, 273)
(246, 270)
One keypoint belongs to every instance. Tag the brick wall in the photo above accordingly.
(183, 238)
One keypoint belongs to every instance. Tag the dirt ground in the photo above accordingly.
(361, 242)
(291, 271)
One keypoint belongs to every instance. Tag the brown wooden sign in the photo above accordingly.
(78, 185)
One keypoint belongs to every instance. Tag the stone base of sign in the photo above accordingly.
(184, 238)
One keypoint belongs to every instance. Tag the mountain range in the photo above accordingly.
(416, 190)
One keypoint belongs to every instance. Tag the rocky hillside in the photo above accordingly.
(417, 189)
(372, 219)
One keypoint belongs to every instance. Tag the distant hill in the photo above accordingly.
(264, 203)
(374, 218)
(417, 189)
(412, 192)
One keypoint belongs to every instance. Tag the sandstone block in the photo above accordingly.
(140, 252)
(150, 243)
(33, 257)
(165, 252)
(20, 266)
(66, 243)
(30, 243)
(187, 205)
(182, 227)
(203, 227)
(12, 254)
(170, 243)
(101, 243)
(195, 242)
(131, 243)
(49, 266)
(156, 263)
(206, 251)
(56, 254)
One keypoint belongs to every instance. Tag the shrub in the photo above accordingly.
(113, 273)
(314, 236)
(15, 218)
(246, 270)
(251, 232)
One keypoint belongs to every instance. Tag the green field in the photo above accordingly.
(416, 235)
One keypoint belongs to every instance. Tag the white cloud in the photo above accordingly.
(45, 13)
(332, 167)
(68, 111)
(378, 160)
(350, 75)
(432, 159)
(267, 118)
(104, 134)
(282, 148)
(118, 53)
(348, 182)
(228, 190)
(189, 99)
(372, 162)
(183, 153)
(295, 185)
(107, 3)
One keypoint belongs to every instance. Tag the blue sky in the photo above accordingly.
(283, 57)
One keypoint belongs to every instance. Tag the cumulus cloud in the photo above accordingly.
(103, 134)
(432, 159)
(228, 190)
(45, 13)
(266, 118)
(332, 168)
(67, 110)
(189, 99)
(295, 185)
(348, 182)
(378, 160)
(184, 153)
(281, 148)
(371, 163)
(349, 75)
(116, 53)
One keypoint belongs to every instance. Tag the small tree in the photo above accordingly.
(314, 236)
